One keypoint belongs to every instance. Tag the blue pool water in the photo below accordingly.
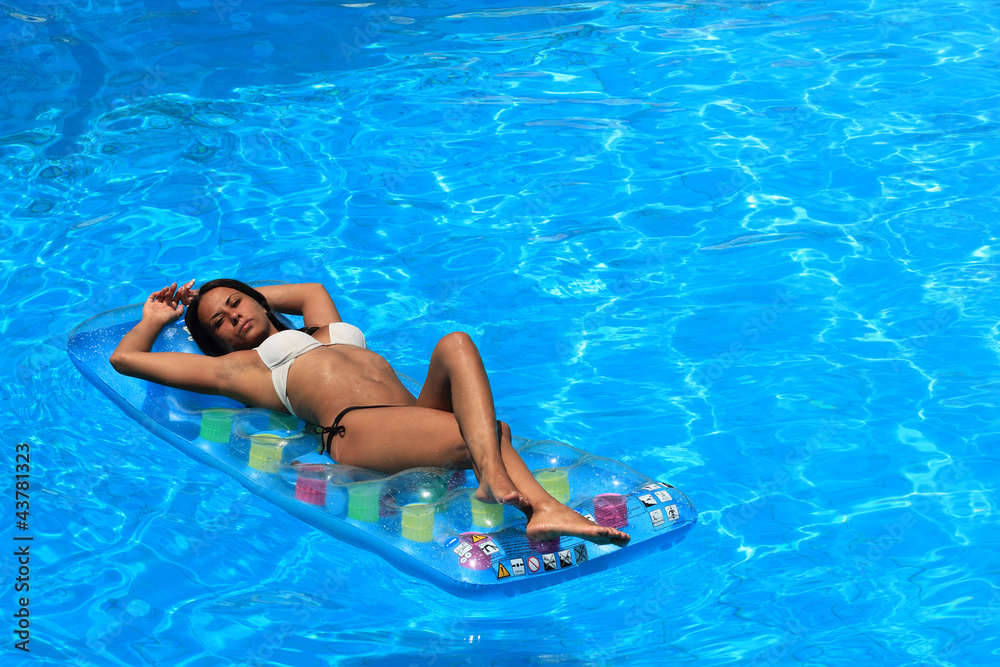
(747, 247)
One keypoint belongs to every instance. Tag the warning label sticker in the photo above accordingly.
(489, 548)
(580, 551)
(534, 564)
(463, 548)
(647, 500)
(476, 539)
(656, 516)
(517, 566)
(654, 485)
(662, 496)
(502, 572)
(565, 558)
(549, 561)
(672, 512)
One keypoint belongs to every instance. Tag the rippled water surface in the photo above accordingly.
(747, 247)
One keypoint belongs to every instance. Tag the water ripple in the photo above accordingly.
(747, 247)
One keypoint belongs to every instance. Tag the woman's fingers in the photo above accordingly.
(165, 294)
(186, 293)
(174, 297)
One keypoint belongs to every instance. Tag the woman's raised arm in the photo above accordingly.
(134, 356)
(310, 300)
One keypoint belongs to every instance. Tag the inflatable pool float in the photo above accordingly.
(425, 521)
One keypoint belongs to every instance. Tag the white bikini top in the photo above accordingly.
(281, 349)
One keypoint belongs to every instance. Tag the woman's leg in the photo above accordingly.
(457, 383)
(547, 517)
(396, 438)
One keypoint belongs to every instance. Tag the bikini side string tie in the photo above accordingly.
(338, 429)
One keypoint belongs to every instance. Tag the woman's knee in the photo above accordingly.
(456, 341)
(504, 431)
(461, 457)
(456, 347)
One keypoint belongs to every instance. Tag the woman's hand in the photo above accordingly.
(185, 294)
(134, 355)
(166, 305)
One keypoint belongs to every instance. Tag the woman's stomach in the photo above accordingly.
(324, 381)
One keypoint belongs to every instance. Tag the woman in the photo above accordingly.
(369, 417)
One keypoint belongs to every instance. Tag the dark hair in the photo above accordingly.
(203, 338)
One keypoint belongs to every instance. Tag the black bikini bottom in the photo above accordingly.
(339, 429)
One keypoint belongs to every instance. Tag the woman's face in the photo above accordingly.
(234, 319)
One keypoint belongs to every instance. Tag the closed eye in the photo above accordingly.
(232, 302)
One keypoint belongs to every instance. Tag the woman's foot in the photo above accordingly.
(497, 487)
(551, 521)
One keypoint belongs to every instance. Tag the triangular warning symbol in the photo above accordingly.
(478, 538)
(502, 571)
